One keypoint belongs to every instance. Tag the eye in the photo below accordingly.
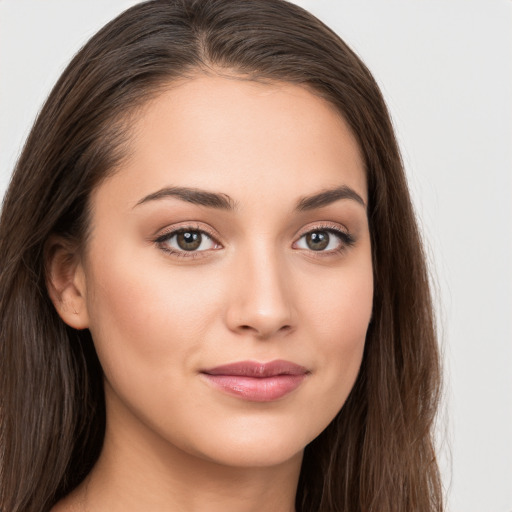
(324, 240)
(187, 240)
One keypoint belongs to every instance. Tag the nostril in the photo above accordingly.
(261, 332)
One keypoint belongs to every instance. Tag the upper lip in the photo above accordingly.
(258, 370)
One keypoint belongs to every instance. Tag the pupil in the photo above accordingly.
(317, 240)
(189, 240)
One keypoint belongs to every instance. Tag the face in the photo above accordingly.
(227, 282)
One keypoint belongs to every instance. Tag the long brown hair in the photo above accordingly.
(377, 454)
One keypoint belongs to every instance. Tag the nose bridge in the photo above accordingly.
(262, 301)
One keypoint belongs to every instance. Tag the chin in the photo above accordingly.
(255, 444)
(251, 455)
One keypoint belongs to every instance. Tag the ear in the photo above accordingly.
(65, 281)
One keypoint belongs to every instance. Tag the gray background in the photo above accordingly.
(445, 67)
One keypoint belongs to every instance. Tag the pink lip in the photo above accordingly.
(257, 382)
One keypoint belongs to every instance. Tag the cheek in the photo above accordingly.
(341, 306)
(339, 319)
(142, 313)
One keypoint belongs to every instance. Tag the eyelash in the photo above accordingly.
(346, 240)
(163, 240)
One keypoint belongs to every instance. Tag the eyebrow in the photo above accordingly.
(225, 202)
(327, 197)
(193, 195)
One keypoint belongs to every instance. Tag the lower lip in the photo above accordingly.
(256, 389)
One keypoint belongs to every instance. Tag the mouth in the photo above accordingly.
(257, 382)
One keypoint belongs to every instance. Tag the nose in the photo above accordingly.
(261, 302)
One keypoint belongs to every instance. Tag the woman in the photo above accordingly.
(213, 291)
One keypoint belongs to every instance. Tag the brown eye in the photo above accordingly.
(182, 241)
(317, 240)
(189, 240)
(326, 240)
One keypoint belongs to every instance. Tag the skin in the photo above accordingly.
(256, 292)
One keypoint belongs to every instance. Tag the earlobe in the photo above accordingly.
(65, 281)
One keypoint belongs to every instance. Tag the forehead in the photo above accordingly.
(240, 137)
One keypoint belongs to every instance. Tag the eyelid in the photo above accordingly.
(323, 226)
(346, 238)
(184, 226)
(175, 229)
